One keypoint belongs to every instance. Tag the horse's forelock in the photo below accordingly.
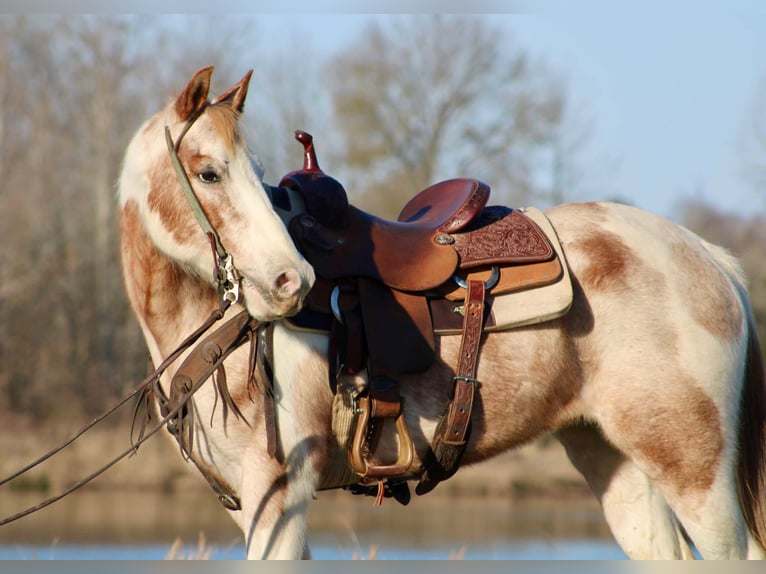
(225, 122)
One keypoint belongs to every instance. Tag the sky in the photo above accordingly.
(668, 88)
(670, 91)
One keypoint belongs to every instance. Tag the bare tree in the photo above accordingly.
(289, 97)
(754, 141)
(4, 276)
(431, 97)
(744, 236)
(73, 90)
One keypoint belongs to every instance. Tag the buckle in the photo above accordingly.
(488, 284)
(228, 279)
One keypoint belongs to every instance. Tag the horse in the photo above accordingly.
(652, 381)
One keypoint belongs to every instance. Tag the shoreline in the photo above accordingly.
(155, 497)
(538, 470)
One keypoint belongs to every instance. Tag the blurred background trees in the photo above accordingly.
(419, 101)
(404, 105)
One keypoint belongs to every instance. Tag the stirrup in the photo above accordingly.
(359, 462)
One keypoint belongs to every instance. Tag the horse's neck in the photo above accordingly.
(169, 302)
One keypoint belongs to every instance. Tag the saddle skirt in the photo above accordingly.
(526, 294)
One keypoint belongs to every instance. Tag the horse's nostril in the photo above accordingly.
(288, 283)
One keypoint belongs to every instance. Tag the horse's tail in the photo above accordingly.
(751, 442)
(751, 475)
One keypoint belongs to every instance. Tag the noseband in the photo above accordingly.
(226, 274)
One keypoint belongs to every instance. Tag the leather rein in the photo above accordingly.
(227, 277)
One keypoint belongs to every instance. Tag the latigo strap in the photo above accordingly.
(451, 436)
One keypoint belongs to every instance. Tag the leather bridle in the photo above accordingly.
(226, 274)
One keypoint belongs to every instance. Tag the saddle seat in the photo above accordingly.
(423, 248)
(414, 254)
(446, 207)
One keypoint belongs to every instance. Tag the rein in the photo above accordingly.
(227, 277)
(141, 389)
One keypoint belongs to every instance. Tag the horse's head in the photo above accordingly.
(274, 276)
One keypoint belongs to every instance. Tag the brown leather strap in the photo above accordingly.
(205, 359)
(265, 376)
(442, 461)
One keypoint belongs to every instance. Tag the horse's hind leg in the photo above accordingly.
(637, 514)
(713, 518)
(691, 488)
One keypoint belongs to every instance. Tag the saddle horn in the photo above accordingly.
(325, 198)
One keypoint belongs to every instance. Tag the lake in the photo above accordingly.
(101, 525)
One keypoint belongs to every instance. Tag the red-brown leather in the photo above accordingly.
(200, 364)
(514, 238)
(513, 278)
(401, 255)
(452, 433)
(447, 206)
(391, 270)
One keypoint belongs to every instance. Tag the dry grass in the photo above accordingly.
(203, 551)
(372, 555)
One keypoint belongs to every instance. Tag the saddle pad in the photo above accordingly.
(526, 307)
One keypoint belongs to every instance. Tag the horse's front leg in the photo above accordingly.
(274, 508)
(282, 488)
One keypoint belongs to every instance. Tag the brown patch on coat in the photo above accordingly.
(222, 210)
(676, 428)
(157, 287)
(138, 255)
(167, 200)
(609, 261)
(707, 293)
(166, 197)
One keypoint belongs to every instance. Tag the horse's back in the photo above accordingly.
(623, 254)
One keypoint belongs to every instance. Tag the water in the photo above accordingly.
(96, 525)
(529, 550)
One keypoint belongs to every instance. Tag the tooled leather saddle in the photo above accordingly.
(384, 287)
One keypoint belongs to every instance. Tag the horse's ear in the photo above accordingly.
(191, 101)
(235, 96)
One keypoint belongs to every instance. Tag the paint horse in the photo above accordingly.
(652, 380)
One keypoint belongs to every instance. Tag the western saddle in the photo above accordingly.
(383, 288)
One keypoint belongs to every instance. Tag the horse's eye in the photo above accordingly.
(208, 176)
